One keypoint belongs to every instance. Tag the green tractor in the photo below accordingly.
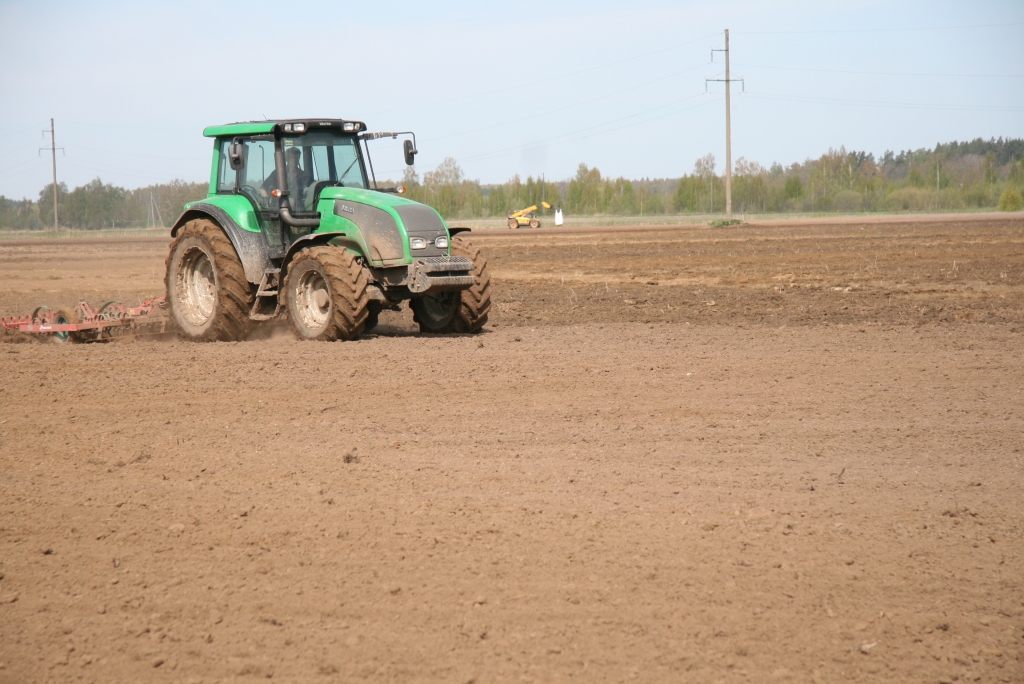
(294, 221)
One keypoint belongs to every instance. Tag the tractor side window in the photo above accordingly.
(226, 174)
(258, 177)
(260, 173)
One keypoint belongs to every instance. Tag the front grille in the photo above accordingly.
(441, 264)
(435, 274)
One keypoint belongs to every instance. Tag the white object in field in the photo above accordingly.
(558, 217)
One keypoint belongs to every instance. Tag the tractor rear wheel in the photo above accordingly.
(513, 224)
(208, 293)
(325, 294)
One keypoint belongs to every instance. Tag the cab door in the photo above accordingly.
(256, 180)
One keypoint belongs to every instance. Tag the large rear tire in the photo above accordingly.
(207, 291)
(325, 295)
(513, 224)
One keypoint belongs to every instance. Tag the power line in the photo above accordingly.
(16, 169)
(544, 80)
(118, 172)
(581, 130)
(887, 30)
(562, 109)
(73, 146)
(890, 105)
(881, 73)
(587, 132)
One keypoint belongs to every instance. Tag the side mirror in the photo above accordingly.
(236, 155)
(410, 153)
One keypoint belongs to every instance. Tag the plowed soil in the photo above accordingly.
(760, 453)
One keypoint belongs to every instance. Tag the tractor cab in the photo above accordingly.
(288, 167)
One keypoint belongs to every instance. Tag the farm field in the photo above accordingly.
(772, 452)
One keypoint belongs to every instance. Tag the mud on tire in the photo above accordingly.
(476, 301)
(325, 294)
(207, 291)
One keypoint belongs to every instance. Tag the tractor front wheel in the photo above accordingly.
(475, 302)
(435, 314)
(535, 223)
(471, 306)
(325, 295)
(208, 293)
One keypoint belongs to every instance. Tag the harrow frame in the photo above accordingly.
(111, 320)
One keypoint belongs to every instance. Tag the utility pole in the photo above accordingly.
(156, 208)
(53, 153)
(728, 135)
(728, 126)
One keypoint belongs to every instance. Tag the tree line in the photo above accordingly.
(98, 205)
(953, 176)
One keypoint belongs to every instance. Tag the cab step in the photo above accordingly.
(267, 304)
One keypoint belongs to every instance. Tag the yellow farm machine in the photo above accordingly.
(526, 217)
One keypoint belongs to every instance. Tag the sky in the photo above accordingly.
(530, 88)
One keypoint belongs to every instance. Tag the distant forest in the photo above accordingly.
(956, 176)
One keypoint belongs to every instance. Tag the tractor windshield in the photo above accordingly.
(312, 162)
(320, 159)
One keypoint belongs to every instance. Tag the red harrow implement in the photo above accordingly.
(111, 321)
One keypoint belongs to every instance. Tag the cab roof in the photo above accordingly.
(258, 127)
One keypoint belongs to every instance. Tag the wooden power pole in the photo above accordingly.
(728, 127)
(53, 155)
(728, 135)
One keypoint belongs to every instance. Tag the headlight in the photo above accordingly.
(417, 243)
(441, 242)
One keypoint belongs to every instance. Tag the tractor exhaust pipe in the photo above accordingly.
(284, 206)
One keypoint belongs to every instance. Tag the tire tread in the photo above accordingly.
(234, 292)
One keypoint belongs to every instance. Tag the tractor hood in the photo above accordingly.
(394, 229)
(371, 197)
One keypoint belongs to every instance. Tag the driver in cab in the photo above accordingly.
(298, 179)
